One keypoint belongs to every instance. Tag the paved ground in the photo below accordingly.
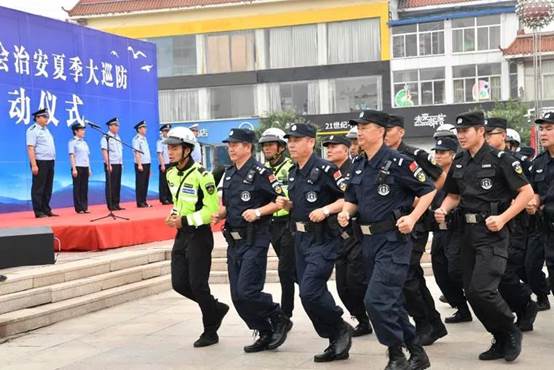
(157, 333)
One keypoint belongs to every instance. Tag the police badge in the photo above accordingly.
(419, 174)
(311, 196)
(383, 189)
(245, 196)
(486, 183)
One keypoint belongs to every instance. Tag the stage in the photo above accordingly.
(76, 232)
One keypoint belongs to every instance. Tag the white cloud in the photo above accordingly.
(47, 8)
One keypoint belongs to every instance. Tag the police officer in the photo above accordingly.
(419, 301)
(448, 237)
(249, 192)
(274, 146)
(316, 194)
(79, 153)
(112, 154)
(542, 205)
(352, 135)
(42, 154)
(197, 153)
(350, 266)
(195, 201)
(163, 160)
(490, 189)
(142, 165)
(381, 190)
(516, 293)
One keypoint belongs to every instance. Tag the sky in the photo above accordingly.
(47, 8)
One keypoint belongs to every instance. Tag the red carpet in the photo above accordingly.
(77, 233)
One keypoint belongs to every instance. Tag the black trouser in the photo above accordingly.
(352, 277)
(419, 301)
(283, 244)
(80, 189)
(484, 258)
(445, 260)
(549, 257)
(141, 183)
(112, 198)
(163, 187)
(41, 190)
(534, 263)
(191, 260)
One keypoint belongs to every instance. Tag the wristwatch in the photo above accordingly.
(326, 211)
(258, 213)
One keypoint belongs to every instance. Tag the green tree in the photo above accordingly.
(280, 120)
(515, 112)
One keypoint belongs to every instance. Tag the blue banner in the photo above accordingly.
(80, 75)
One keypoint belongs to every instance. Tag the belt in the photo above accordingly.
(378, 227)
(306, 227)
(280, 219)
(237, 233)
(474, 218)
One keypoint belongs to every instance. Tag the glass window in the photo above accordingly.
(418, 87)
(292, 46)
(230, 52)
(476, 82)
(355, 94)
(420, 39)
(178, 105)
(176, 56)
(353, 41)
(232, 101)
(300, 97)
(481, 33)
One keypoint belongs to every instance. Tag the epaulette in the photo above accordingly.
(202, 171)
(459, 155)
(500, 154)
(327, 167)
(261, 169)
(32, 127)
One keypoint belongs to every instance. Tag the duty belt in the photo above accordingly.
(474, 218)
(280, 219)
(378, 227)
(306, 227)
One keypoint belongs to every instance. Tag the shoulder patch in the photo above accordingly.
(413, 166)
(517, 167)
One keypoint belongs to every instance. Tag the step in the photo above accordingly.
(220, 264)
(221, 252)
(32, 318)
(221, 277)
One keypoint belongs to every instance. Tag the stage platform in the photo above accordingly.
(76, 232)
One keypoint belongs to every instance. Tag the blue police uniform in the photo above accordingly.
(161, 148)
(141, 177)
(42, 141)
(115, 155)
(78, 148)
(250, 187)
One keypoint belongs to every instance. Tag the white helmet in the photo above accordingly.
(446, 129)
(273, 134)
(513, 135)
(180, 135)
(352, 133)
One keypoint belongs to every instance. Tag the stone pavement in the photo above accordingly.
(157, 333)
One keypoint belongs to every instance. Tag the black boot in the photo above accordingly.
(397, 360)
(206, 339)
(512, 345)
(496, 351)
(327, 355)
(363, 328)
(461, 315)
(543, 304)
(418, 357)
(343, 341)
(280, 323)
(526, 318)
(222, 310)
(260, 344)
(438, 330)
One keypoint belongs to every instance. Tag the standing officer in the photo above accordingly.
(79, 153)
(142, 165)
(249, 192)
(274, 146)
(516, 293)
(197, 153)
(113, 164)
(316, 194)
(419, 301)
(490, 189)
(42, 154)
(350, 266)
(352, 135)
(195, 201)
(382, 190)
(163, 160)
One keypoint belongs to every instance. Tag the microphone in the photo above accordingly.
(92, 124)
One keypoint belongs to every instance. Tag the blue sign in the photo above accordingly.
(215, 131)
(80, 75)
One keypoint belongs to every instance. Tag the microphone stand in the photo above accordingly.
(108, 164)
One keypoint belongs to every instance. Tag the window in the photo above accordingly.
(232, 101)
(178, 105)
(355, 94)
(514, 91)
(418, 40)
(476, 82)
(353, 41)
(292, 46)
(176, 56)
(471, 34)
(300, 97)
(230, 52)
(547, 69)
(418, 87)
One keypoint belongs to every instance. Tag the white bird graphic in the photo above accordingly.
(113, 52)
(136, 54)
(146, 68)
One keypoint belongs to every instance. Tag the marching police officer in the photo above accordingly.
(249, 192)
(350, 266)
(195, 201)
(316, 194)
(274, 146)
(112, 153)
(382, 190)
(42, 154)
(142, 165)
(163, 160)
(79, 153)
(490, 188)
(516, 293)
(419, 301)
(352, 135)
